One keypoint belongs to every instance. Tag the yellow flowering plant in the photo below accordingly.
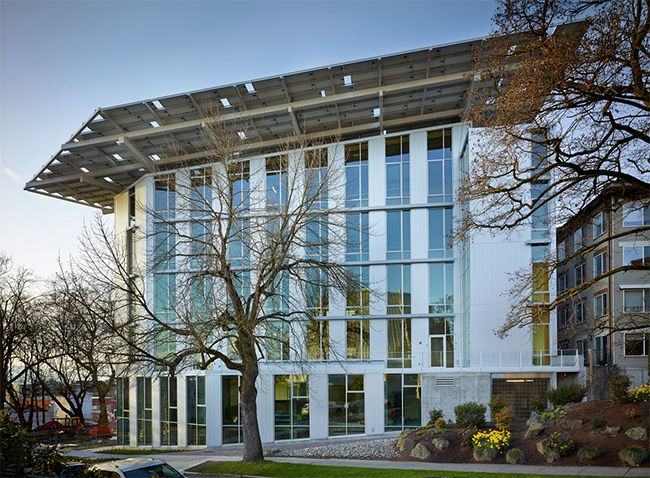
(640, 393)
(498, 440)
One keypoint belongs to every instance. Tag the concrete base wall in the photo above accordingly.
(474, 387)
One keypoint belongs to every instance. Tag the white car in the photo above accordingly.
(136, 468)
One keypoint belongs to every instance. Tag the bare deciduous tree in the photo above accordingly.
(566, 112)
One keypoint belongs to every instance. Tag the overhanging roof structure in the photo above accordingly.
(118, 145)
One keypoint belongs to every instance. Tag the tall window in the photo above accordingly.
(356, 230)
(164, 247)
(403, 401)
(346, 405)
(200, 192)
(318, 340)
(238, 247)
(143, 394)
(540, 282)
(240, 183)
(441, 336)
(165, 303)
(579, 312)
(316, 177)
(202, 242)
(440, 224)
(600, 264)
(317, 238)
(578, 239)
(278, 340)
(397, 170)
(278, 301)
(441, 288)
(357, 339)
(165, 196)
(637, 343)
(356, 175)
(562, 283)
(399, 343)
(540, 219)
(579, 273)
(600, 305)
(230, 409)
(599, 223)
(636, 255)
(398, 278)
(561, 251)
(317, 292)
(168, 411)
(541, 336)
(123, 411)
(291, 407)
(276, 182)
(439, 163)
(562, 317)
(196, 411)
(636, 214)
(398, 235)
(358, 294)
(636, 300)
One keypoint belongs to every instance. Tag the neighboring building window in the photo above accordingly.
(581, 349)
(278, 340)
(122, 414)
(599, 223)
(291, 407)
(439, 158)
(230, 409)
(357, 234)
(600, 264)
(403, 401)
(316, 177)
(201, 192)
(562, 283)
(636, 255)
(196, 411)
(357, 339)
(276, 182)
(440, 224)
(356, 175)
(441, 288)
(636, 300)
(346, 405)
(399, 343)
(562, 317)
(578, 239)
(600, 305)
(398, 235)
(579, 312)
(165, 197)
(145, 410)
(398, 278)
(540, 218)
(636, 214)
(441, 337)
(397, 170)
(561, 251)
(318, 340)
(637, 343)
(168, 411)
(358, 297)
(579, 273)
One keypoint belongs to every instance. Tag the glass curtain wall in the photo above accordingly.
(196, 411)
(230, 408)
(291, 407)
(123, 411)
(144, 401)
(402, 398)
(168, 411)
(346, 405)
(399, 343)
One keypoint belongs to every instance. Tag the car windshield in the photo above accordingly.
(154, 471)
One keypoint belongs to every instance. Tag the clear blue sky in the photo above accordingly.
(60, 60)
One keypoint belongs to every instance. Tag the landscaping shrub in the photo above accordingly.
(633, 455)
(538, 404)
(553, 414)
(588, 453)
(434, 415)
(496, 405)
(502, 419)
(497, 440)
(598, 422)
(515, 456)
(440, 424)
(618, 389)
(630, 413)
(560, 444)
(640, 393)
(564, 394)
(470, 414)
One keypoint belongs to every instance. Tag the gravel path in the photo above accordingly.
(379, 449)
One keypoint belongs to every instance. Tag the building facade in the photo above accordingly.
(372, 362)
(607, 311)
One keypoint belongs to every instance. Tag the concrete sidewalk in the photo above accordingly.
(190, 459)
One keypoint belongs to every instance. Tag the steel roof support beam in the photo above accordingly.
(133, 149)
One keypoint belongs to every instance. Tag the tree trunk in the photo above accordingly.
(248, 395)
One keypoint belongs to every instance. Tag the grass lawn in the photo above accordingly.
(140, 451)
(294, 470)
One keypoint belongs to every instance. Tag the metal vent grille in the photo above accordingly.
(445, 382)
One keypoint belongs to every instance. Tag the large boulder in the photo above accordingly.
(440, 443)
(484, 454)
(420, 451)
(611, 431)
(637, 433)
(534, 430)
(572, 423)
(405, 445)
(534, 418)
